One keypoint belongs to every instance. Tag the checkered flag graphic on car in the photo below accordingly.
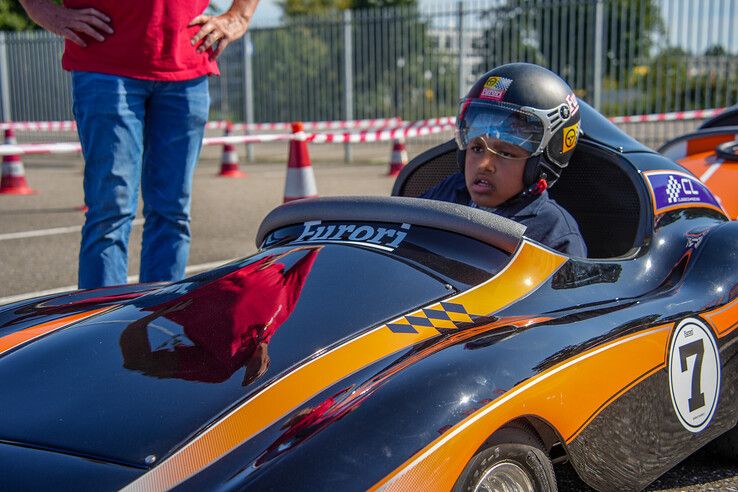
(673, 189)
(442, 316)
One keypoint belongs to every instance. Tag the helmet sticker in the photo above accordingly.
(571, 100)
(694, 374)
(495, 88)
(570, 137)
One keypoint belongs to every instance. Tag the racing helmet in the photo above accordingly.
(525, 105)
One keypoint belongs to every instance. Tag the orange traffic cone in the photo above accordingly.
(13, 180)
(229, 161)
(398, 159)
(300, 181)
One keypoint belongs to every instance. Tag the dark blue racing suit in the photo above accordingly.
(546, 221)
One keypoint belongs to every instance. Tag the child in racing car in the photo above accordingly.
(516, 130)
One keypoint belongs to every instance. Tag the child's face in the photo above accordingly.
(494, 171)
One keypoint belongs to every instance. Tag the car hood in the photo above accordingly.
(130, 382)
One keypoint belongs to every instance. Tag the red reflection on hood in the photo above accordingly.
(230, 320)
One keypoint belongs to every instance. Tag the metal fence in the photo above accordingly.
(623, 56)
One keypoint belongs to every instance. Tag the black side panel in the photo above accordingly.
(427, 170)
(32, 469)
(598, 190)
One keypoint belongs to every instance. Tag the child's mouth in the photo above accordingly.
(482, 185)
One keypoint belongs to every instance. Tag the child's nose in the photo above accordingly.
(488, 163)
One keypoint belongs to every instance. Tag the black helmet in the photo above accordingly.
(528, 106)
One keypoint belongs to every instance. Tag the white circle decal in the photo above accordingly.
(694, 374)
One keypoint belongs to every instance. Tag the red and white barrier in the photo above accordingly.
(53, 148)
(697, 114)
(321, 125)
(377, 135)
(375, 123)
(376, 130)
(66, 126)
(348, 137)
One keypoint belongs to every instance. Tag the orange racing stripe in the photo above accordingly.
(723, 319)
(556, 396)
(567, 395)
(531, 266)
(17, 338)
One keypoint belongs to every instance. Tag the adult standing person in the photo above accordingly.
(140, 92)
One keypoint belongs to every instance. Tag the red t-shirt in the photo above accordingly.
(150, 41)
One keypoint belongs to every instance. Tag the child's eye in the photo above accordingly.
(477, 148)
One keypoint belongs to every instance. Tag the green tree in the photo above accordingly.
(560, 34)
(716, 50)
(14, 18)
(396, 70)
(295, 8)
(296, 72)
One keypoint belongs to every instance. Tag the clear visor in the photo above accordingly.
(493, 121)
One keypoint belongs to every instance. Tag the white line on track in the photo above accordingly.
(710, 171)
(131, 279)
(50, 232)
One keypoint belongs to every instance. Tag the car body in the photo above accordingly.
(385, 342)
(711, 154)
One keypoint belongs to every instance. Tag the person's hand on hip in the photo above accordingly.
(68, 22)
(223, 29)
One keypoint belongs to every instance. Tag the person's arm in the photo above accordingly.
(224, 28)
(68, 22)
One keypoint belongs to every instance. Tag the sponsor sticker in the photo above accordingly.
(495, 88)
(386, 238)
(694, 374)
(571, 134)
(571, 100)
(674, 189)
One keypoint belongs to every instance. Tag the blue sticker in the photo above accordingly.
(673, 189)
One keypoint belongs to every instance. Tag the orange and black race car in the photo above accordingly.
(395, 343)
(711, 154)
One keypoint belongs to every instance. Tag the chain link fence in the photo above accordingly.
(625, 57)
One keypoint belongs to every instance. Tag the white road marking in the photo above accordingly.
(50, 232)
(131, 279)
(710, 171)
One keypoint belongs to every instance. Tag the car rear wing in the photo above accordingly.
(486, 227)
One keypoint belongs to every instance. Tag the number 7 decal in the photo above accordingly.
(696, 348)
(694, 374)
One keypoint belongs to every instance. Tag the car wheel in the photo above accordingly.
(512, 461)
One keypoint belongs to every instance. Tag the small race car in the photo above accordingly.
(396, 343)
(711, 154)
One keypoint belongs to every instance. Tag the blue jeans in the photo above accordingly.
(137, 131)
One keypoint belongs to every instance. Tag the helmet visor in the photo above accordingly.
(509, 124)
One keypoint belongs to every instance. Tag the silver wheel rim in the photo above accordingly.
(505, 476)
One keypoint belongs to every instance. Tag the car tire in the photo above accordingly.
(512, 460)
